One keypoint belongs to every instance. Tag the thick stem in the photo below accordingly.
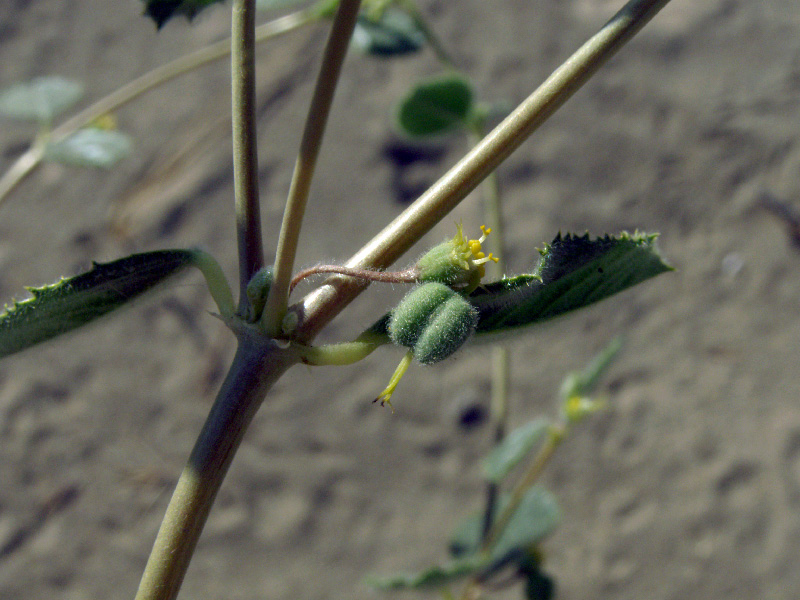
(319, 307)
(256, 367)
(332, 60)
(245, 145)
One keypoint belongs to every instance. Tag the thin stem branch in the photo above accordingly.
(554, 438)
(333, 58)
(144, 83)
(245, 145)
(319, 307)
(499, 410)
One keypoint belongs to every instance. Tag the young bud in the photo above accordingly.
(257, 291)
(457, 263)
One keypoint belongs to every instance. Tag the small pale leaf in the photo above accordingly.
(276, 4)
(90, 147)
(39, 100)
(435, 576)
(515, 447)
(75, 301)
(535, 518)
(435, 107)
(393, 33)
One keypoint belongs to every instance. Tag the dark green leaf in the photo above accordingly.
(506, 455)
(392, 33)
(435, 576)
(539, 586)
(162, 11)
(76, 301)
(535, 517)
(39, 100)
(90, 147)
(436, 107)
(573, 272)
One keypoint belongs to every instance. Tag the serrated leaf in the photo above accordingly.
(39, 100)
(573, 272)
(75, 301)
(90, 147)
(536, 517)
(516, 445)
(162, 11)
(435, 576)
(392, 33)
(435, 107)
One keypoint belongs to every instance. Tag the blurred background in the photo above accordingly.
(688, 485)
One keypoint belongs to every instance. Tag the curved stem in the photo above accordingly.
(318, 112)
(245, 145)
(407, 276)
(319, 307)
(144, 83)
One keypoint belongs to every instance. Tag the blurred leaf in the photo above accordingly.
(583, 383)
(539, 586)
(276, 4)
(393, 33)
(435, 576)
(435, 107)
(90, 147)
(76, 301)
(536, 516)
(506, 455)
(573, 272)
(39, 100)
(162, 11)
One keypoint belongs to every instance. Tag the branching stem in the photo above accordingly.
(319, 307)
(318, 112)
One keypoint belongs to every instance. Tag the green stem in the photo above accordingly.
(554, 438)
(345, 353)
(319, 307)
(333, 58)
(144, 83)
(245, 146)
(499, 409)
(256, 367)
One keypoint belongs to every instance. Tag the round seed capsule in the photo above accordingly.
(450, 325)
(410, 318)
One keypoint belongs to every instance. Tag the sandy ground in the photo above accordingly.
(688, 486)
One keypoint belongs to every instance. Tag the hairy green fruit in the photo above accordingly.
(413, 313)
(451, 324)
(434, 321)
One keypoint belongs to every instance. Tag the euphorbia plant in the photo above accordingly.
(450, 304)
